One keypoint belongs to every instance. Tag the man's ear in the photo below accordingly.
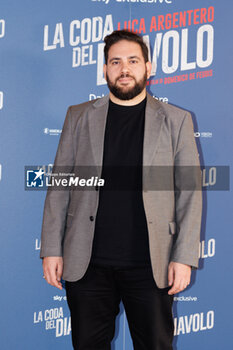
(105, 70)
(148, 69)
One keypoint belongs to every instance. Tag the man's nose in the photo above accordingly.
(124, 67)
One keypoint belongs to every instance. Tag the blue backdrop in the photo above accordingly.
(51, 57)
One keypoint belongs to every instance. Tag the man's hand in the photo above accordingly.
(53, 266)
(178, 277)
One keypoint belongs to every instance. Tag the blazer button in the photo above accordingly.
(92, 218)
(97, 188)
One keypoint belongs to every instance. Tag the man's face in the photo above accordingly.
(126, 71)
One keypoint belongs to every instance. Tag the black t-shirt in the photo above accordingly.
(121, 234)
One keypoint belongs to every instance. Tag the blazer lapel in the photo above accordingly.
(97, 124)
(154, 118)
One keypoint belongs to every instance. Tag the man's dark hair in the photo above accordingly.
(123, 34)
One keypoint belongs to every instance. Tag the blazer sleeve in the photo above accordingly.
(188, 197)
(57, 200)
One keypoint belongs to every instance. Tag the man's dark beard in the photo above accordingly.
(131, 92)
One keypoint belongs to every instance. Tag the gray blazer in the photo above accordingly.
(173, 213)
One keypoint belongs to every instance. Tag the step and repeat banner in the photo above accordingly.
(51, 58)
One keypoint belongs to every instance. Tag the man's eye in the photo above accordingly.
(133, 61)
(115, 62)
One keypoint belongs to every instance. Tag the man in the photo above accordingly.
(137, 244)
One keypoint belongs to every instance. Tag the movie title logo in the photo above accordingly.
(207, 249)
(2, 28)
(170, 50)
(37, 244)
(216, 178)
(209, 176)
(1, 100)
(2, 34)
(54, 319)
(197, 322)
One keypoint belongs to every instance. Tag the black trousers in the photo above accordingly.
(94, 304)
